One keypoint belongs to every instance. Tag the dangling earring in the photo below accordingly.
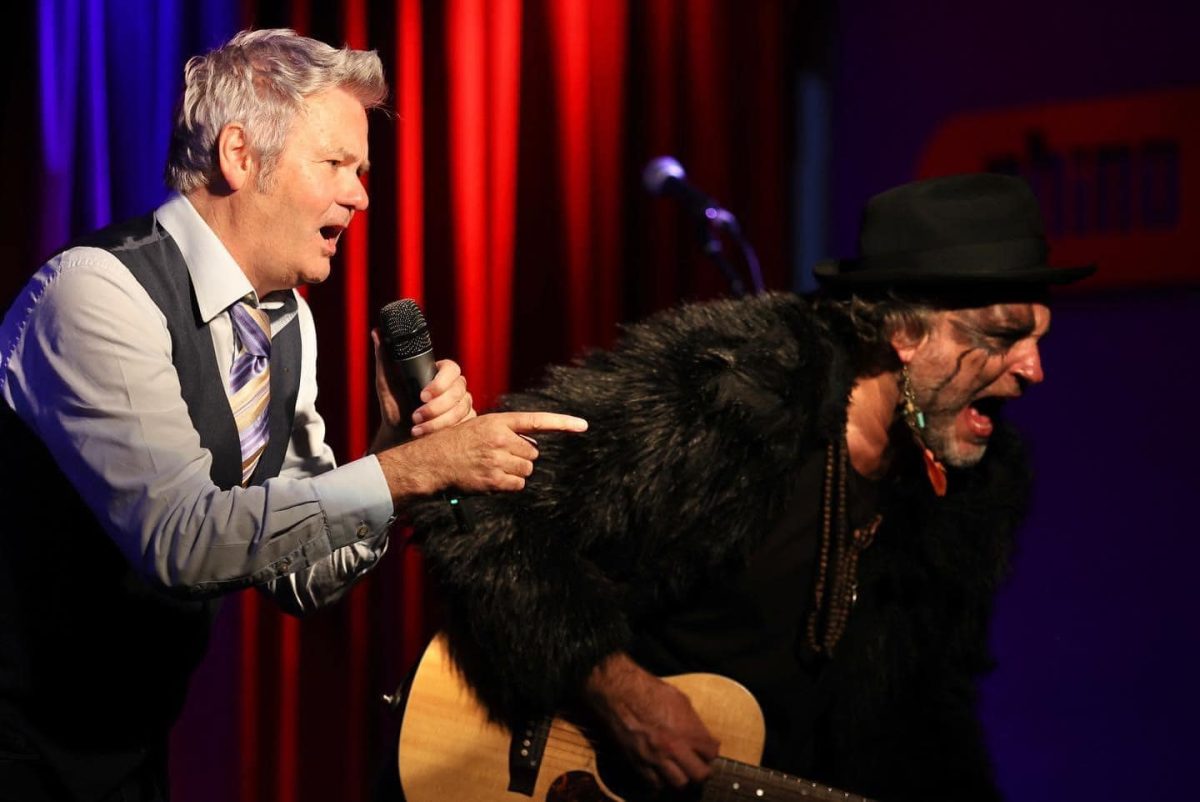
(913, 415)
(915, 418)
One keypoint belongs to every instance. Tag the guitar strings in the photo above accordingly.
(577, 751)
(570, 741)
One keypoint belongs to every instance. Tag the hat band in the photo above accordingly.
(983, 258)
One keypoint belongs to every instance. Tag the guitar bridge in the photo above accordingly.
(525, 752)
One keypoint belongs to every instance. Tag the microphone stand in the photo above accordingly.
(710, 241)
(716, 220)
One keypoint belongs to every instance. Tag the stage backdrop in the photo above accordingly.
(506, 199)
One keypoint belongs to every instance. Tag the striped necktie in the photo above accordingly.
(250, 382)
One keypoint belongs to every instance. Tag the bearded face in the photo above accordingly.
(967, 366)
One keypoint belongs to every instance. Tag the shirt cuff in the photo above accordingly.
(356, 501)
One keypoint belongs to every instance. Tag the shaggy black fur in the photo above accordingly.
(696, 420)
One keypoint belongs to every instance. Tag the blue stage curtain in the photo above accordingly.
(109, 73)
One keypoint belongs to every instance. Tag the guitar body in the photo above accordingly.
(450, 751)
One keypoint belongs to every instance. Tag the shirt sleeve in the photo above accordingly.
(328, 579)
(88, 367)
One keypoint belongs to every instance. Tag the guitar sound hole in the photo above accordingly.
(581, 786)
(576, 786)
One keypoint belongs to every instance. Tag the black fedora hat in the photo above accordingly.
(956, 231)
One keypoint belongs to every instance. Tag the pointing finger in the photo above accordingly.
(542, 422)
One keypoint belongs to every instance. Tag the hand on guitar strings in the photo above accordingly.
(654, 723)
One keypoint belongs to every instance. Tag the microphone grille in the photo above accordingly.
(405, 333)
(659, 172)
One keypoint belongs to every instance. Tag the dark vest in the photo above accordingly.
(94, 660)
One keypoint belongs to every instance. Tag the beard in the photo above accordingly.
(948, 447)
(941, 437)
(957, 407)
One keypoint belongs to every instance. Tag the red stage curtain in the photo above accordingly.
(505, 199)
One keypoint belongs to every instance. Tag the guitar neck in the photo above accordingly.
(731, 781)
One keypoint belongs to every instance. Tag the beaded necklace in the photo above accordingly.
(840, 550)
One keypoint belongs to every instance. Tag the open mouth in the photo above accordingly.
(989, 407)
(981, 413)
(330, 234)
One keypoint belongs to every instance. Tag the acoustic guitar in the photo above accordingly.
(450, 752)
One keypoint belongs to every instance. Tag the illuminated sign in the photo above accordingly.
(1118, 178)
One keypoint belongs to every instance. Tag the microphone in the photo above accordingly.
(406, 340)
(665, 176)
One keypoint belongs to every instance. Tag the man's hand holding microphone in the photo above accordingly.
(448, 446)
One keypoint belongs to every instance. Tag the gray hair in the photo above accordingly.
(870, 320)
(259, 79)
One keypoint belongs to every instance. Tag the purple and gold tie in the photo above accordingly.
(250, 382)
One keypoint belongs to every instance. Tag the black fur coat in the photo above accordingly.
(697, 418)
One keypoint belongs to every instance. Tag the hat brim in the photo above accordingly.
(848, 273)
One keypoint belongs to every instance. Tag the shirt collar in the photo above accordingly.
(217, 279)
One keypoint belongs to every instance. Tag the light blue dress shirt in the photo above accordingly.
(85, 361)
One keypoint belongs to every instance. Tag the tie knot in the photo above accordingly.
(253, 328)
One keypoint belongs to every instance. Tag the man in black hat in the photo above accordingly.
(815, 497)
